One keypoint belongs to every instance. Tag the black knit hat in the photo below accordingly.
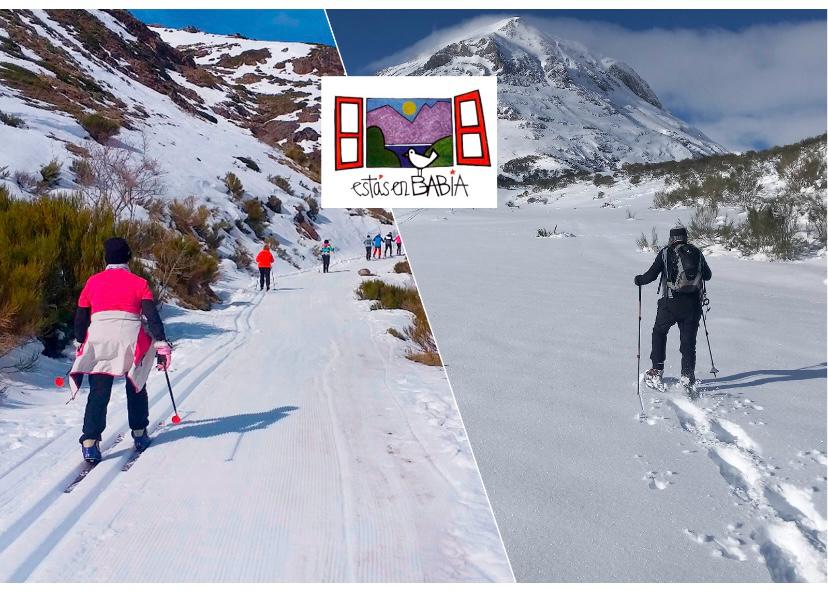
(116, 251)
(678, 234)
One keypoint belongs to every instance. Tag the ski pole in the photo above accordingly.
(706, 304)
(638, 355)
(176, 419)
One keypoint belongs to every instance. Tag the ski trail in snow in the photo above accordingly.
(303, 458)
(791, 536)
(31, 545)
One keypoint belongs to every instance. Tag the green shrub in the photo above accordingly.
(11, 120)
(395, 297)
(772, 230)
(184, 271)
(274, 204)
(702, 228)
(603, 180)
(282, 182)
(50, 174)
(241, 257)
(187, 218)
(49, 246)
(256, 216)
(82, 169)
(99, 127)
(234, 185)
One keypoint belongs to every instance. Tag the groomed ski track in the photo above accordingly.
(310, 450)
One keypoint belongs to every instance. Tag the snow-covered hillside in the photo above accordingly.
(310, 449)
(193, 120)
(560, 107)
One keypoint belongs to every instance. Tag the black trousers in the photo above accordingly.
(684, 310)
(326, 262)
(264, 277)
(100, 389)
(367, 253)
(388, 249)
(399, 249)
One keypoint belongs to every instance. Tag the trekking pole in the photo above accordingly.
(706, 304)
(176, 419)
(638, 355)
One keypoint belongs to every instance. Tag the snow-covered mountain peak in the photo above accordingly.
(561, 106)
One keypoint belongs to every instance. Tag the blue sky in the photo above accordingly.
(265, 25)
(747, 78)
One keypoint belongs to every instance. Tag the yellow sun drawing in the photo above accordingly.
(409, 108)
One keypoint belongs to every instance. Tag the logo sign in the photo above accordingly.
(409, 141)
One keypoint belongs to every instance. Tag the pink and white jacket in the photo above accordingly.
(115, 339)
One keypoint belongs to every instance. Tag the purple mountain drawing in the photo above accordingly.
(431, 124)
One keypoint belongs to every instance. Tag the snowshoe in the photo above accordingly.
(652, 379)
(142, 441)
(688, 383)
(92, 453)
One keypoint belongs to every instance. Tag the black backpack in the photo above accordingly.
(682, 269)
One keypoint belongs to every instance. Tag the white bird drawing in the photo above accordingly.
(419, 161)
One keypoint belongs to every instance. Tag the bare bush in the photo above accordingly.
(119, 179)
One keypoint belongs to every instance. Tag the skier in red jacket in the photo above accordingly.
(265, 260)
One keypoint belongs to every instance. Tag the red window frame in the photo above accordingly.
(339, 135)
(479, 129)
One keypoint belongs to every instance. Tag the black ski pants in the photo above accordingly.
(326, 262)
(368, 253)
(388, 249)
(684, 310)
(100, 390)
(399, 249)
(264, 277)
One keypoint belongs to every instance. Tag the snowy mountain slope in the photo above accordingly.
(731, 487)
(56, 66)
(254, 73)
(307, 439)
(560, 107)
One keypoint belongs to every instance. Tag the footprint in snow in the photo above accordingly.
(659, 481)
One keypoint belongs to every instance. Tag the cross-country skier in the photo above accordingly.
(264, 260)
(389, 244)
(683, 271)
(116, 343)
(367, 243)
(378, 246)
(327, 250)
(398, 240)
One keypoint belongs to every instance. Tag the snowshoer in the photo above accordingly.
(683, 271)
(327, 250)
(398, 240)
(265, 261)
(367, 243)
(378, 246)
(115, 342)
(389, 244)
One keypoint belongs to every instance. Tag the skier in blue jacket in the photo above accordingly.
(378, 246)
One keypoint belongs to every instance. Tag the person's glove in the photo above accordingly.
(163, 356)
(78, 348)
(639, 280)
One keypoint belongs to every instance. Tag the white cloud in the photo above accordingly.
(765, 84)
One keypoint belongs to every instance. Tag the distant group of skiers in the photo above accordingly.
(373, 246)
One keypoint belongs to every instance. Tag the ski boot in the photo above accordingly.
(688, 382)
(141, 439)
(91, 451)
(652, 378)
